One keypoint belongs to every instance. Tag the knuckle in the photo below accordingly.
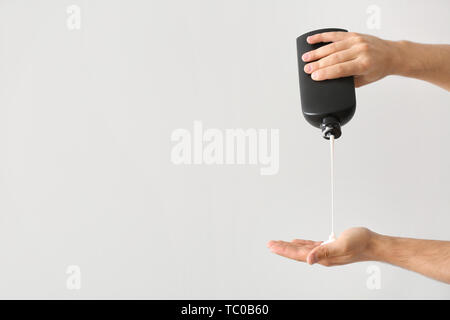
(318, 65)
(364, 47)
(339, 69)
(335, 58)
(310, 54)
(358, 38)
(366, 62)
(326, 253)
(336, 34)
(332, 47)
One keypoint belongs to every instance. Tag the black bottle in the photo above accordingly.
(327, 104)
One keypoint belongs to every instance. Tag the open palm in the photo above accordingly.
(352, 245)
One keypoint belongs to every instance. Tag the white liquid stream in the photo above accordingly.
(332, 237)
(332, 182)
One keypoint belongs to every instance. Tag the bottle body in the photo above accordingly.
(328, 103)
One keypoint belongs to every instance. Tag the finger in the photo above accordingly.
(310, 242)
(272, 243)
(329, 37)
(290, 250)
(339, 70)
(335, 58)
(325, 50)
(322, 254)
(360, 81)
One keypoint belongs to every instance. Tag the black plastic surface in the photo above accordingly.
(328, 98)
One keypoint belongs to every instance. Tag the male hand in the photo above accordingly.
(353, 245)
(365, 57)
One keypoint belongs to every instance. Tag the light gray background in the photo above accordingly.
(85, 171)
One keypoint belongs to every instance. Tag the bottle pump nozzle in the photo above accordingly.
(330, 127)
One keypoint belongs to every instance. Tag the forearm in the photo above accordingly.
(428, 257)
(429, 62)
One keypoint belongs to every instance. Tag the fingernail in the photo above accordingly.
(315, 75)
(308, 38)
(305, 56)
(308, 68)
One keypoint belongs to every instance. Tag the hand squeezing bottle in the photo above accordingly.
(327, 104)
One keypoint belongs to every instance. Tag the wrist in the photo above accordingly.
(408, 59)
(375, 247)
(398, 64)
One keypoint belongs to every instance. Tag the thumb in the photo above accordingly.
(359, 81)
(321, 252)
